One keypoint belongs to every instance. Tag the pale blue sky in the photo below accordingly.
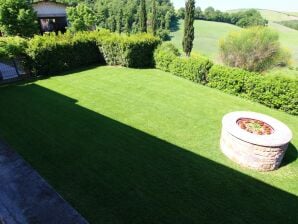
(280, 5)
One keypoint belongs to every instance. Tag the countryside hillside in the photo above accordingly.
(208, 35)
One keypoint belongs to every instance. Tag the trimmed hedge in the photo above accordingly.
(275, 92)
(52, 54)
(12, 47)
(134, 51)
(195, 68)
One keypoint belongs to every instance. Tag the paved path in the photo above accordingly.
(25, 197)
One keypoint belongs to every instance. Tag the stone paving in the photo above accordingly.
(26, 198)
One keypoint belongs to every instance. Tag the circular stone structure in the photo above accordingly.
(254, 140)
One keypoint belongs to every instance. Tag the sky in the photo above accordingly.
(279, 5)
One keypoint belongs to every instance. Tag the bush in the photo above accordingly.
(195, 68)
(52, 53)
(12, 47)
(191, 68)
(164, 55)
(135, 51)
(275, 92)
(253, 49)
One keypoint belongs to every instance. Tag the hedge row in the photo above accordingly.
(196, 68)
(275, 92)
(50, 54)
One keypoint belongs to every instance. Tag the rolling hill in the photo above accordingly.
(208, 35)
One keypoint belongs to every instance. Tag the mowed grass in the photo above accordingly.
(207, 37)
(142, 146)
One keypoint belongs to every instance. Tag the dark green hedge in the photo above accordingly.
(195, 68)
(51, 54)
(135, 51)
(275, 92)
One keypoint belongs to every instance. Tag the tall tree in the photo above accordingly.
(81, 18)
(189, 27)
(143, 17)
(154, 17)
(17, 18)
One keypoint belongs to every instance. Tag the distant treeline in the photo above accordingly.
(245, 18)
(123, 15)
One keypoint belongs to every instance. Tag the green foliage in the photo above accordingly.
(188, 27)
(275, 92)
(12, 47)
(195, 68)
(164, 55)
(135, 15)
(130, 51)
(81, 18)
(51, 54)
(245, 18)
(154, 17)
(142, 17)
(17, 18)
(253, 49)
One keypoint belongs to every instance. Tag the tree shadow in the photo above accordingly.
(113, 173)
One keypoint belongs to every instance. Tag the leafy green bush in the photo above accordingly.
(275, 92)
(192, 68)
(52, 53)
(195, 68)
(134, 51)
(12, 47)
(164, 55)
(253, 49)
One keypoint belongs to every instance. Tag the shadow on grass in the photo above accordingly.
(290, 156)
(113, 173)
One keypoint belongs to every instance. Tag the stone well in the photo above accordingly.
(262, 152)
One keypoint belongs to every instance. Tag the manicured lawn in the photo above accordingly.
(142, 146)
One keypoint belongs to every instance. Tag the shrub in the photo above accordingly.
(164, 55)
(134, 51)
(52, 53)
(253, 49)
(12, 47)
(192, 68)
(275, 92)
(17, 18)
(195, 68)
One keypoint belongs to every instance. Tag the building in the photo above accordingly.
(51, 16)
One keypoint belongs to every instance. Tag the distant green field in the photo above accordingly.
(275, 16)
(289, 39)
(207, 36)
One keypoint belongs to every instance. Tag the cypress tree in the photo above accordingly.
(143, 17)
(154, 14)
(188, 27)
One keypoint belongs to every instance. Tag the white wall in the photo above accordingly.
(50, 9)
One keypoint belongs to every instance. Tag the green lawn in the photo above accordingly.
(142, 146)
